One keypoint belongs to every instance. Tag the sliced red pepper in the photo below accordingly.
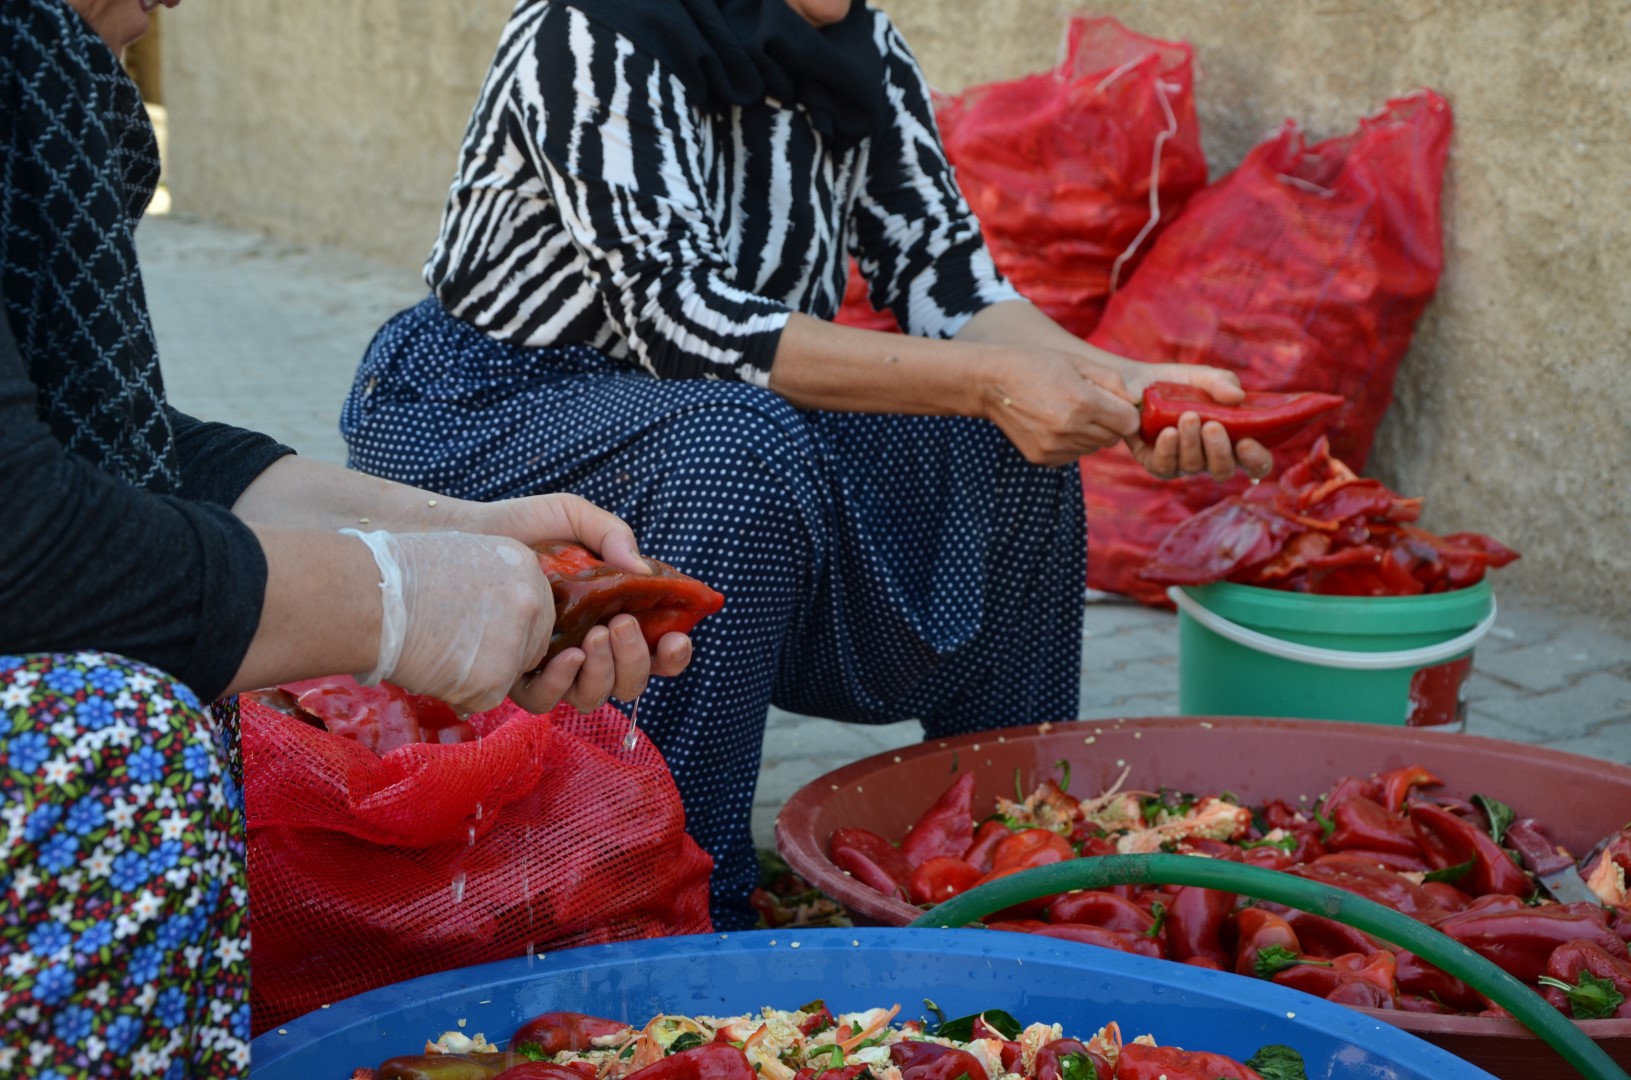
(1417, 976)
(1364, 878)
(1054, 1057)
(381, 718)
(1218, 543)
(1605, 995)
(1140, 1062)
(1521, 941)
(1030, 848)
(1326, 938)
(1363, 823)
(1094, 907)
(1397, 784)
(933, 1061)
(1265, 416)
(555, 1032)
(710, 1061)
(1350, 979)
(986, 838)
(1258, 929)
(846, 1072)
(1450, 841)
(871, 860)
(941, 878)
(946, 828)
(1195, 921)
(588, 592)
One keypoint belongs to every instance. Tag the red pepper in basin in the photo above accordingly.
(1451, 842)
(933, 1061)
(711, 1061)
(588, 592)
(1521, 941)
(1140, 1062)
(1586, 982)
(1350, 979)
(1265, 416)
(554, 1032)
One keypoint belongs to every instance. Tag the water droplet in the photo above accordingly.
(634, 725)
(458, 887)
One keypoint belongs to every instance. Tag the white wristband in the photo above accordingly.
(393, 622)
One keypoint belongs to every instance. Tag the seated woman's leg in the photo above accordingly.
(122, 933)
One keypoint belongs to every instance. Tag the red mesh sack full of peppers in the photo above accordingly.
(1305, 269)
(1072, 172)
(390, 837)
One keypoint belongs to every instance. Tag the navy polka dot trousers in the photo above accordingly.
(875, 567)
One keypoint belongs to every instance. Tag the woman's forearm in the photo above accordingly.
(301, 492)
(822, 365)
(322, 609)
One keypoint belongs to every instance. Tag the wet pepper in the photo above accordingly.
(1363, 823)
(1195, 922)
(1140, 1062)
(1585, 981)
(946, 828)
(1054, 1058)
(1521, 941)
(588, 592)
(871, 860)
(1264, 416)
(932, 1061)
(1449, 841)
(710, 1061)
(555, 1032)
(1349, 979)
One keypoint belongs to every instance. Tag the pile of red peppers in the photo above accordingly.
(1321, 528)
(1391, 837)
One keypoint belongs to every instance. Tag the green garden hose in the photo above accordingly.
(1528, 1007)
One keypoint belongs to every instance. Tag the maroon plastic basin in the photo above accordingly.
(1578, 799)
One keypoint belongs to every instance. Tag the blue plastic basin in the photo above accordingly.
(1034, 978)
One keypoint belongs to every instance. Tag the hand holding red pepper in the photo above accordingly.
(1261, 415)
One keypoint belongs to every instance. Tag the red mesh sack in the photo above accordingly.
(542, 834)
(1073, 171)
(1304, 269)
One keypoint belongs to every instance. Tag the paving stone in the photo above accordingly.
(1607, 742)
(1574, 710)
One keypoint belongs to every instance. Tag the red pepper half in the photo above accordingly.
(1585, 981)
(1054, 1057)
(554, 1032)
(588, 592)
(1094, 907)
(1450, 841)
(933, 1061)
(946, 828)
(939, 879)
(871, 860)
(381, 717)
(1140, 1062)
(1194, 925)
(1363, 823)
(1350, 979)
(1265, 416)
(1521, 941)
(710, 1061)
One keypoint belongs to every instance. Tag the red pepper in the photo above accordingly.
(445, 1067)
(1447, 841)
(1264, 416)
(816, 1021)
(1052, 1058)
(986, 838)
(1256, 930)
(1222, 541)
(871, 860)
(1397, 784)
(1120, 940)
(1364, 878)
(710, 1061)
(1521, 941)
(1415, 1003)
(1195, 921)
(847, 1072)
(554, 1032)
(1327, 938)
(1030, 848)
(545, 1070)
(1449, 897)
(381, 718)
(946, 828)
(1364, 823)
(1093, 907)
(1417, 976)
(588, 592)
(1140, 1062)
(1346, 788)
(1606, 994)
(941, 878)
(1350, 979)
(933, 1061)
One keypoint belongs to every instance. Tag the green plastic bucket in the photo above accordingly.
(1248, 651)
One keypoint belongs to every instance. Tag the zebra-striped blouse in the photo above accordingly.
(597, 204)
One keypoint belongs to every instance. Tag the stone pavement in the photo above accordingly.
(267, 335)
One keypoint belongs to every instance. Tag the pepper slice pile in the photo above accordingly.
(1322, 529)
(1391, 838)
(1265, 416)
(814, 1044)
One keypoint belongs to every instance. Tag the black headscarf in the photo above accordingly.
(738, 52)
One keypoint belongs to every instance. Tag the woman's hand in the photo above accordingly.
(1192, 447)
(613, 660)
(1054, 407)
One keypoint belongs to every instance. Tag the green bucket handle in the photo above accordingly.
(1333, 658)
(1527, 1007)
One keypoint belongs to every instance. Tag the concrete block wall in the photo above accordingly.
(337, 122)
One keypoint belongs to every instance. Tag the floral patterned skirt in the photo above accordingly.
(124, 940)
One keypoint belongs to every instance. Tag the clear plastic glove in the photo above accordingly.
(464, 615)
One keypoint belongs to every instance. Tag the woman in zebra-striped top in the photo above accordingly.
(642, 250)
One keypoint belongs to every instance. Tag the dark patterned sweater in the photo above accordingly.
(116, 533)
